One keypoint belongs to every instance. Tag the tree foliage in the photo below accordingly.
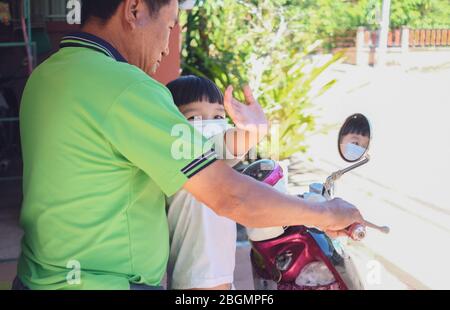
(263, 43)
(270, 43)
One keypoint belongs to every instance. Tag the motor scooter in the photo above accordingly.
(305, 258)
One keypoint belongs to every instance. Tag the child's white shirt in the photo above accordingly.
(202, 244)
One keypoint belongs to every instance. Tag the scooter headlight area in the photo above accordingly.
(298, 260)
(316, 276)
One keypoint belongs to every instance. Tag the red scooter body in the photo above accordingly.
(283, 258)
(298, 251)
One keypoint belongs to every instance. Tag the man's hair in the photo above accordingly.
(191, 88)
(105, 9)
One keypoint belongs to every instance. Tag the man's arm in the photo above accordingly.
(255, 204)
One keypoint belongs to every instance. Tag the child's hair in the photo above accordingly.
(191, 88)
(358, 125)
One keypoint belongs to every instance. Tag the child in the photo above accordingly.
(354, 138)
(203, 244)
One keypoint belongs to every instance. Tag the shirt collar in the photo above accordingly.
(84, 39)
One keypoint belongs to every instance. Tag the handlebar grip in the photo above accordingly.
(356, 231)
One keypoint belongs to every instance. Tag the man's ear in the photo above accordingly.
(135, 12)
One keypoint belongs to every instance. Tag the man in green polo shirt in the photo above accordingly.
(98, 162)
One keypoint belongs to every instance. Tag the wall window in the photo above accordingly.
(48, 10)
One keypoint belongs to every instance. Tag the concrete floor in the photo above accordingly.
(10, 233)
(404, 184)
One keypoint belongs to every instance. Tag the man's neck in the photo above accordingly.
(108, 34)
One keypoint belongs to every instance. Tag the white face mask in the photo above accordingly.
(211, 127)
(353, 152)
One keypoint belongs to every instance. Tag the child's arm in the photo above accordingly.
(250, 120)
(233, 145)
(239, 141)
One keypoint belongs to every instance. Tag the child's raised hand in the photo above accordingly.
(250, 116)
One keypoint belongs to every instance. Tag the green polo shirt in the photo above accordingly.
(98, 163)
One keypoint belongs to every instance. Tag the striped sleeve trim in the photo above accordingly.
(199, 163)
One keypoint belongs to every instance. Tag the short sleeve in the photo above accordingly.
(145, 126)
